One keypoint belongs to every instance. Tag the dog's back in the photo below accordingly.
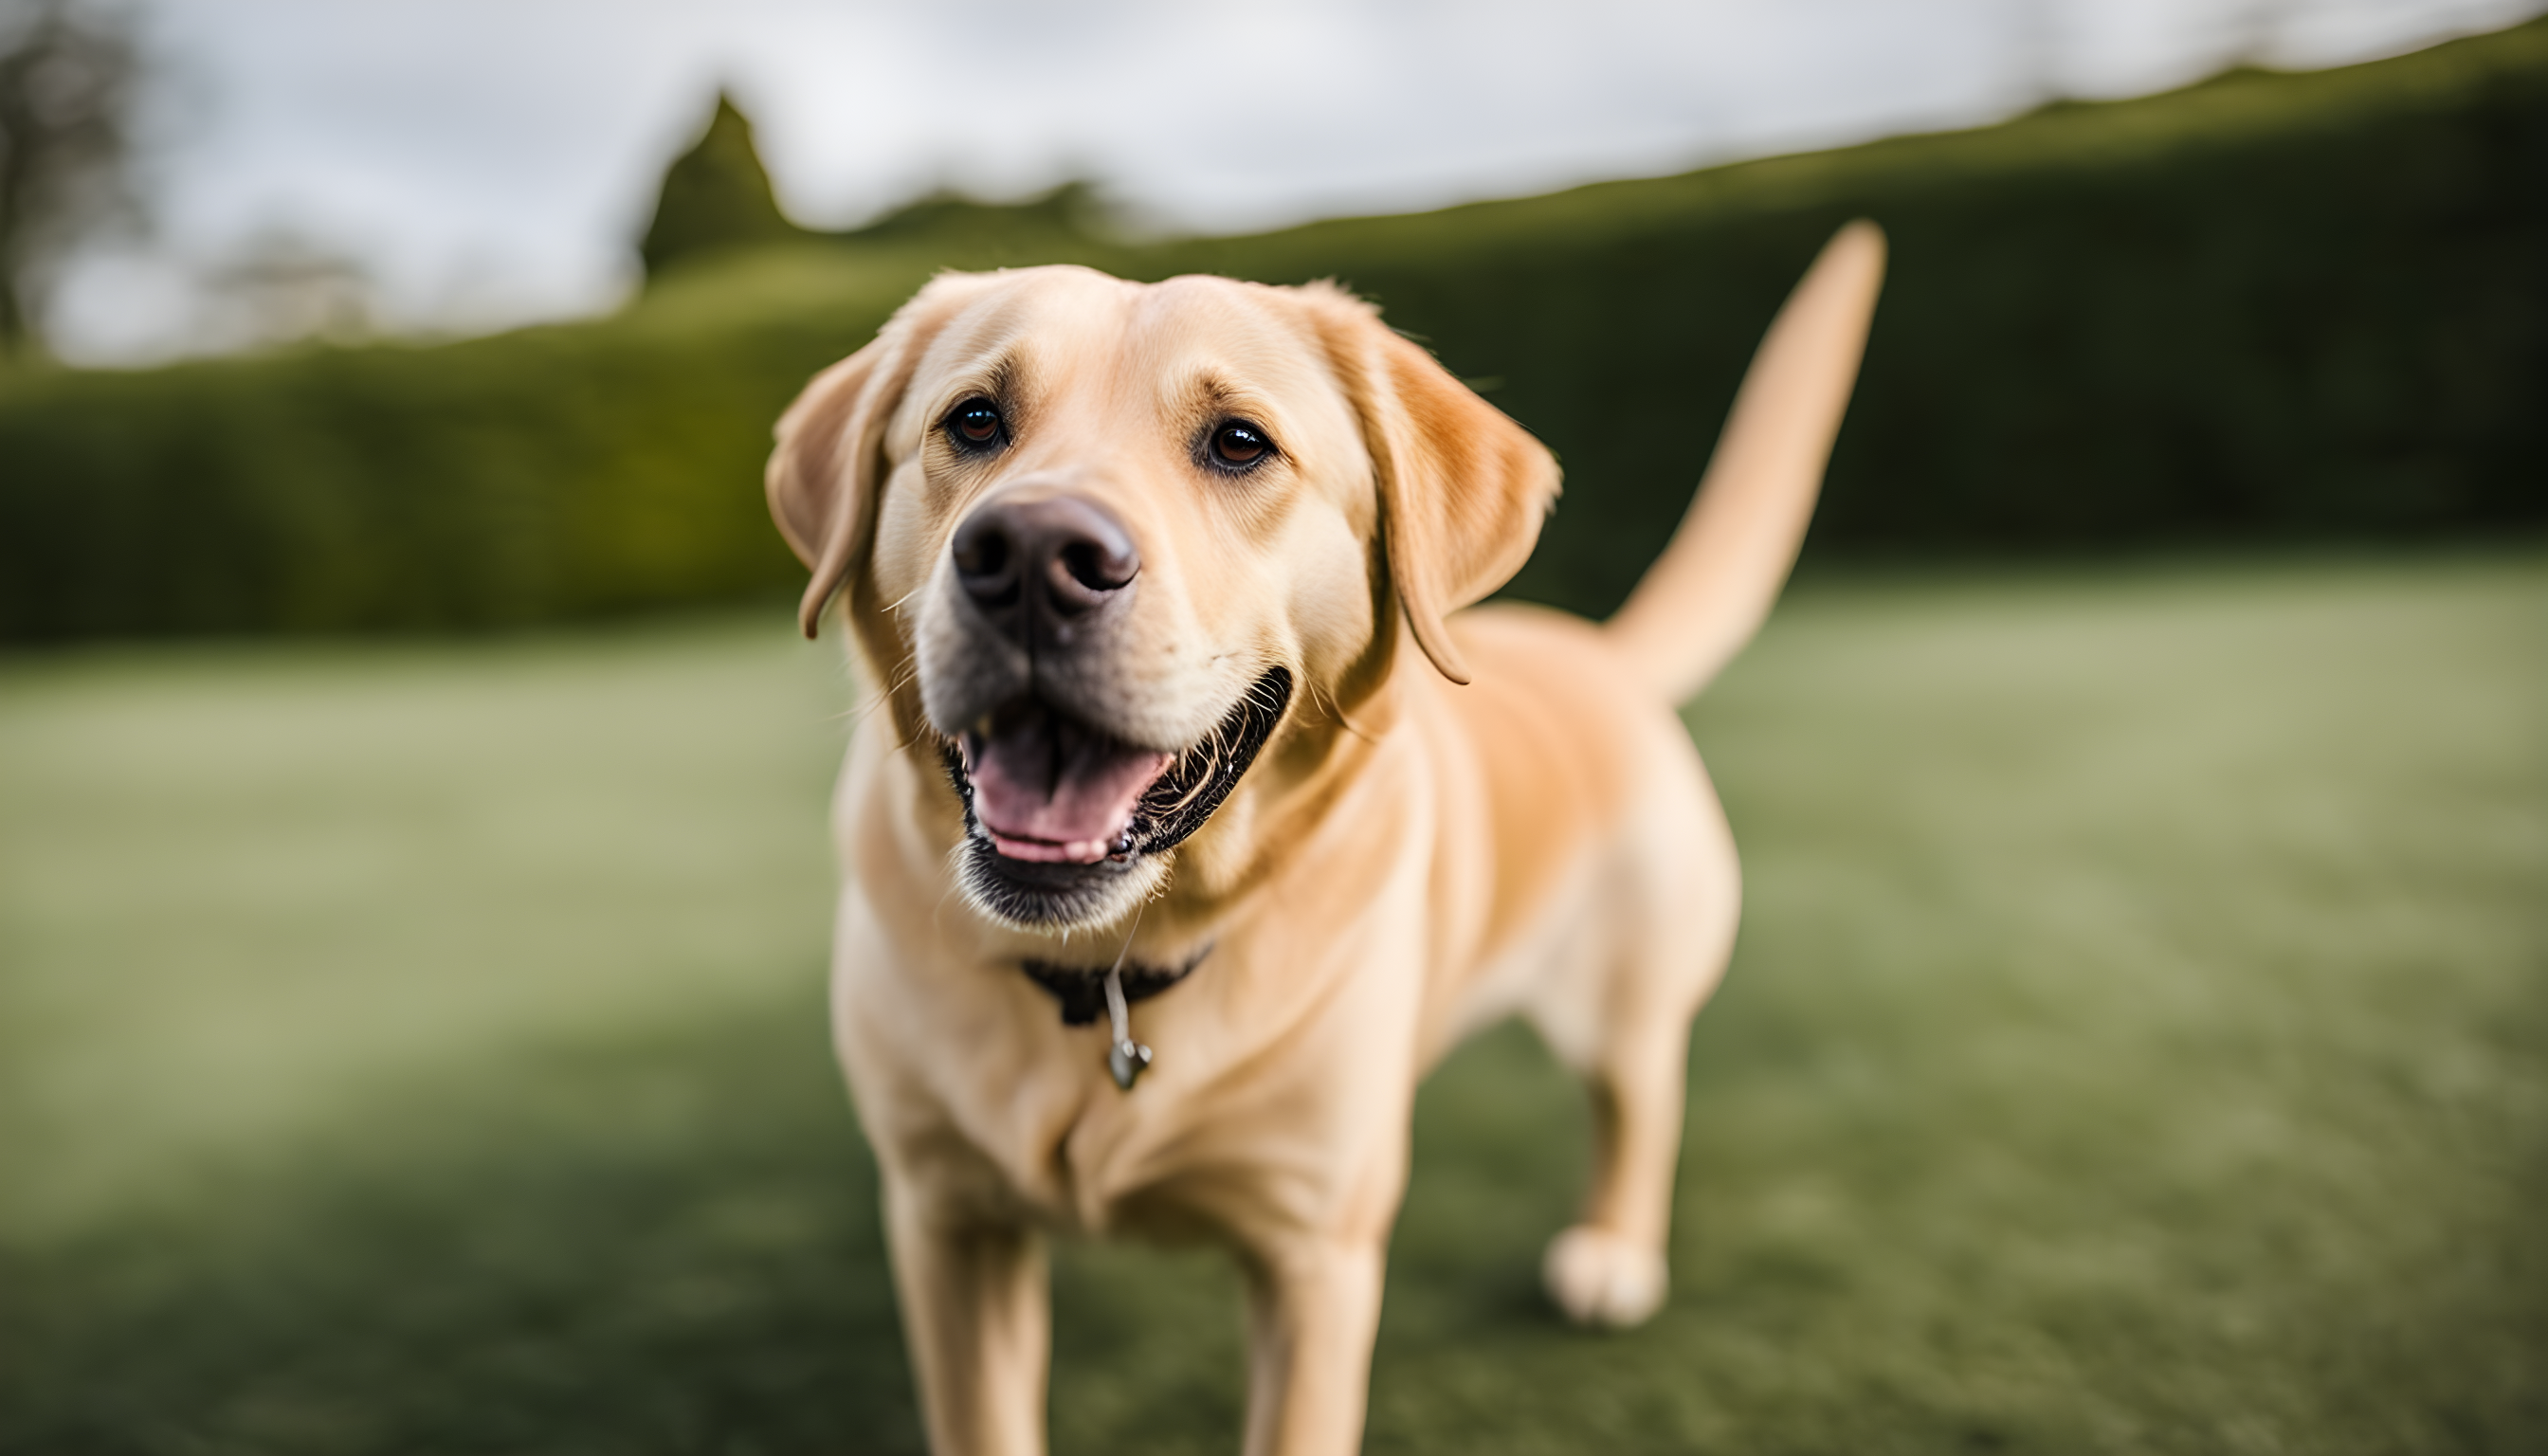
(1566, 736)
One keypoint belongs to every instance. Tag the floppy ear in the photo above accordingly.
(823, 476)
(829, 464)
(1462, 489)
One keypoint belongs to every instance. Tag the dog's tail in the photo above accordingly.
(1709, 592)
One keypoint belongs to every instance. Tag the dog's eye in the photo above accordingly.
(977, 425)
(1238, 445)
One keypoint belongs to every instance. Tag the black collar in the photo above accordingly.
(1081, 989)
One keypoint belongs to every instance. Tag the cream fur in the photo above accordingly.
(1410, 859)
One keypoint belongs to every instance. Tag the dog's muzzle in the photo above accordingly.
(1047, 850)
(1060, 807)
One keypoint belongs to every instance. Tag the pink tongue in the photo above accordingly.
(1050, 791)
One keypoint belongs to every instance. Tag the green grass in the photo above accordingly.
(2135, 1044)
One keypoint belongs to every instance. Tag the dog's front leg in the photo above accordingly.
(977, 1316)
(1313, 1307)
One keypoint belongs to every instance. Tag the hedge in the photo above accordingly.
(2266, 308)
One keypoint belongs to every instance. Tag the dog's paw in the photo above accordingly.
(1599, 1278)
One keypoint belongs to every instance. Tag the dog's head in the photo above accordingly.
(1104, 540)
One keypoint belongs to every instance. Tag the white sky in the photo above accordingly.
(492, 161)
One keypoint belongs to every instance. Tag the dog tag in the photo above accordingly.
(1127, 1058)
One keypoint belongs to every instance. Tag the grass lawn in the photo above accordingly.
(2139, 1041)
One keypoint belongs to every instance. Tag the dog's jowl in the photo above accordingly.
(1201, 812)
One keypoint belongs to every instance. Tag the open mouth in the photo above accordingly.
(1054, 790)
(1059, 803)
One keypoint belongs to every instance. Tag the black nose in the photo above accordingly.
(1037, 567)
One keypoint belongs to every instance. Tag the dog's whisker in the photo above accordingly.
(954, 887)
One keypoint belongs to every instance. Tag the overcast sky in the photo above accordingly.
(492, 161)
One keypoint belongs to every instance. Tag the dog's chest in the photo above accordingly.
(1101, 1159)
(1204, 1135)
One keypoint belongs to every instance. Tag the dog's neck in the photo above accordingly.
(1081, 990)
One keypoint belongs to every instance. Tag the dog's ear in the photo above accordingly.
(1462, 489)
(822, 477)
(829, 464)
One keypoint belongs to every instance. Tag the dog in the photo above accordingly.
(1197, 813)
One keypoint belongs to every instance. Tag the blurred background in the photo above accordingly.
(412, 879)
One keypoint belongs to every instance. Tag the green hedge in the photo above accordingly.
(553, 473)
(2268, 307)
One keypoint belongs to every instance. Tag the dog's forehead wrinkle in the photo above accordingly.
(1000, 366)
(1002, 341)
(1213, 387)
(1206, 386)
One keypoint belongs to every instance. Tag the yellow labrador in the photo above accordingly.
(1196, 821)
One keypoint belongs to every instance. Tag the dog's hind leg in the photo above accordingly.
(1622, 1025)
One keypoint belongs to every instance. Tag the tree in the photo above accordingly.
(715, 196)
(66, 77)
